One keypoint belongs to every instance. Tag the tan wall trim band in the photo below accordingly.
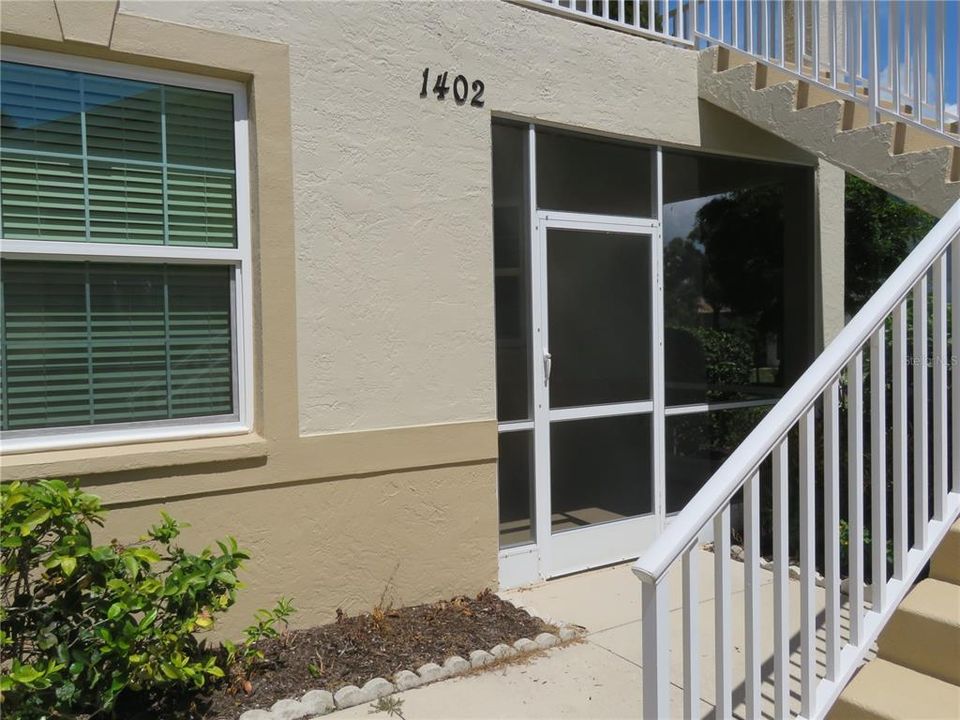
(133, 474)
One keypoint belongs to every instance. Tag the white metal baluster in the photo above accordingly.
(621, 11)
(798, 35)
(721, 21)
(855, 494)
(694, 26)
(893, 18)
(890, 46)
(655, 625)
(681, 31)
(907, 54)
(831, 525)
(874, 57)
(605, 9)
(899, 372)
(751, 606)
(751, 44)
(850, 47)
(765, 32)
(808, 541)
(924, 40)
(878, 466)
(832, 16)
(815, 40)
(920, 475)
(858, 45)
(723, 649)
(652, 11)
(665, 17)
(707, 20)
(939, 388)
(735, 23)
(781, 588)
(918, 61)
(954, 360)
(782, 20)
(691, 635)
(636, 13)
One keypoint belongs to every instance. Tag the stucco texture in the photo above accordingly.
(410, 537)
(373, 455)
(393, 219)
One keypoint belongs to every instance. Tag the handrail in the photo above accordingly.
(717, 492)
(674, 25)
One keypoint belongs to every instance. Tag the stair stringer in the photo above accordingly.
(921, 177)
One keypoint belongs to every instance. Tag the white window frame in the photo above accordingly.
(238, 259)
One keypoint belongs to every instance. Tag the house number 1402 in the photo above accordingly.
(441, 88)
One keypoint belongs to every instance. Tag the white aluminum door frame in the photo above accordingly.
(604, 543)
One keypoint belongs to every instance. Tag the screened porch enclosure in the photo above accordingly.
(651, 305)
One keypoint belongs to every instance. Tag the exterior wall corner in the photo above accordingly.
(830, 240)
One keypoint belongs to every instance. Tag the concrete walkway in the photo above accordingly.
(600, 677)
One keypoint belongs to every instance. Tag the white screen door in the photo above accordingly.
(598, 389)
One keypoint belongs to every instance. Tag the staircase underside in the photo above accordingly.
(920, 167)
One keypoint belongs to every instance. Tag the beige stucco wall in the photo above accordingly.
(373, 455)
(407, 536)
(394, 248)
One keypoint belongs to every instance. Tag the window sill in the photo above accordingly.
(68, 463)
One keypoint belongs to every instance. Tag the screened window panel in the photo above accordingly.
(200, 342)
(123, 118)
(201, 208)
(142, 150)
(45, 345)
(42, 198)
(126, 204)
(199, 128)
(128, 343)
(41, 109)
(100, 343)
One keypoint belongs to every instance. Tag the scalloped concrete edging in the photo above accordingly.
(321, 702)
(736, 553)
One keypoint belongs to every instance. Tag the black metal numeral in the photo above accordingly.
(441, 88)
(478, 88)
(460, 89)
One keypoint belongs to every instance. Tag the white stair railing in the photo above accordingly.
(889, 55)
(665, 20)
(765, 453)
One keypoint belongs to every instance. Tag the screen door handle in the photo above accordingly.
(547, 365)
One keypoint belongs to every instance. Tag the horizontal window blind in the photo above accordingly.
(90, 158)
(96, 343)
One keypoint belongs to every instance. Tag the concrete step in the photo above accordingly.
(946, 559)
(883, 690)
(924, 632)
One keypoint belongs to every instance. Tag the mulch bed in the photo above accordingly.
(352, 650)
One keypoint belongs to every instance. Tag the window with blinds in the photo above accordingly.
(117, 333)
(88, 158)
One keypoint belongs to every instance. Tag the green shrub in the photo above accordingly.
(83, 623)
